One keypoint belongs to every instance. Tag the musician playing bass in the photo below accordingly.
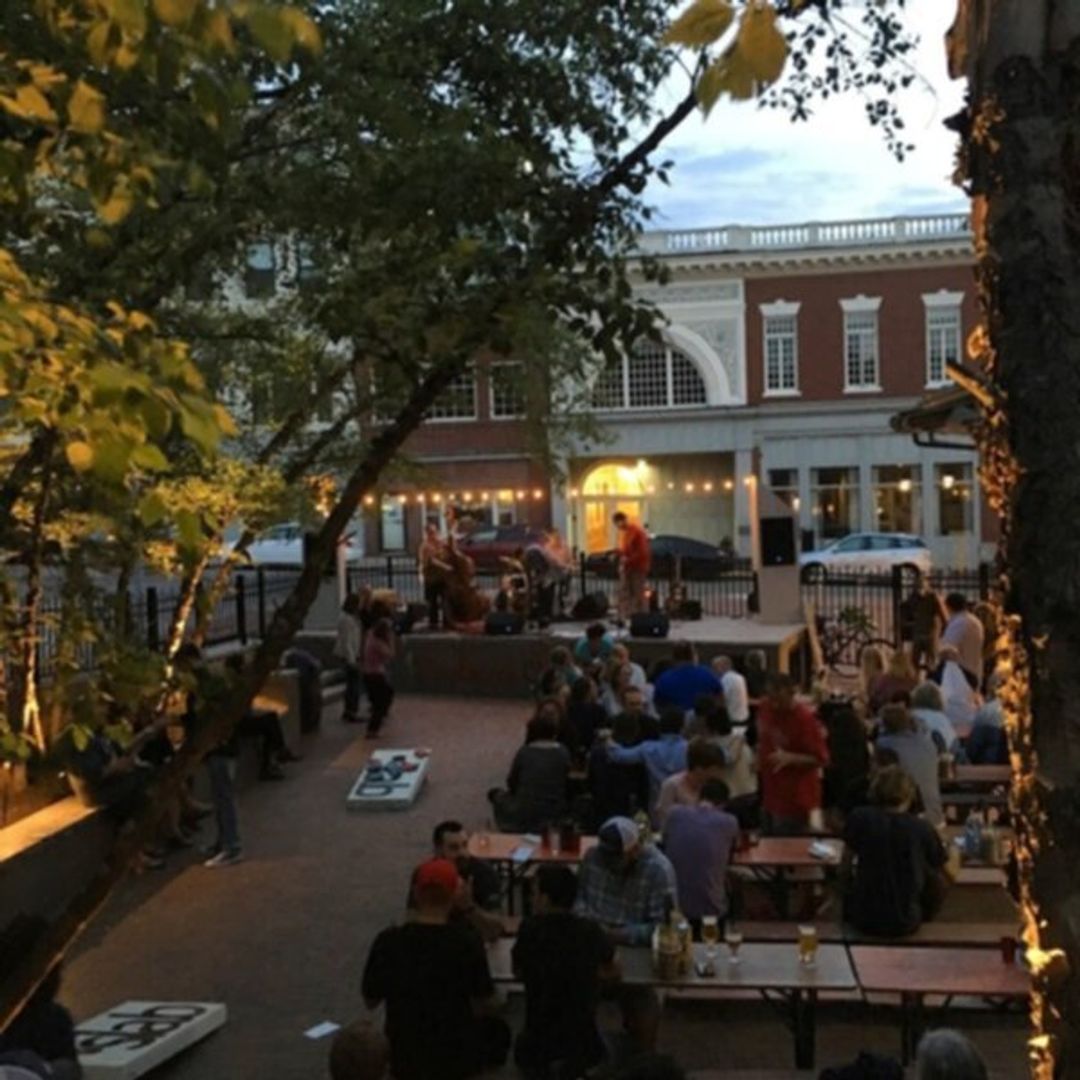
(435, 569)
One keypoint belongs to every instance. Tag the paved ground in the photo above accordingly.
(281, 938)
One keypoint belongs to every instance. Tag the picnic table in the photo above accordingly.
(979, 776)
(914, 973)
(772, 970)
(769, 860)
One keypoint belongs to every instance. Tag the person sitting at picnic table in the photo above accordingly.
(959, 694)
(621, 655)
(927, 710)
(698, 840)
(704, 761)
(895, 861)
(536, 786)
(618, 789)
(618, 679)
(636, 706)
(562, 959)
(897, 678)
(849, 755)
(685, 679)
(918, 757)
(661, 757)
(561, 671)
(625, 885)
(733, 686)
(988, 744)
(583, 718)
(871, 668)
(791, 753)
(434, 979)
(948, 1055)
(476, 903)
(595, 644)
(740, 772)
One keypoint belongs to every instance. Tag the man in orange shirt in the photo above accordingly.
(634, 558)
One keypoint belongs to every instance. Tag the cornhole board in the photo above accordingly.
(376, 789)
(130, 1039)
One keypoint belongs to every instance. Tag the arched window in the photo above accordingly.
(653, 376)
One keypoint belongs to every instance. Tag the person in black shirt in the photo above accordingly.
(477, 902)
(434, 979)
(899, 878)
(561, 957)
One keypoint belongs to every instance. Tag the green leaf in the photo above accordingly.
(129, 14)
(189, 528)
(175, 12)
(80, 455)
(272, 32)
(148, 456)
(152, 509)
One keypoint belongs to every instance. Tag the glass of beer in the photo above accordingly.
(808, 945)
(710, 935)
(733, 939)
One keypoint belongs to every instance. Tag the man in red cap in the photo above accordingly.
(434, 978)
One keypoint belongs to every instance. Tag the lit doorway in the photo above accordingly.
(608, 490)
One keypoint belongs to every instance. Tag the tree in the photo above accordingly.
(1018, 162)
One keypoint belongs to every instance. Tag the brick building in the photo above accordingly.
(787, 351)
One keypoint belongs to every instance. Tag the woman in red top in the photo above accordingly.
(791, 754)
(378, 652)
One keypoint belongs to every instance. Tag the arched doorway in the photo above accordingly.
(606, 490)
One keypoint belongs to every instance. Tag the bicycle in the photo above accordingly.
(843, 638)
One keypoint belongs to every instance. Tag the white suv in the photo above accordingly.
(867, 553)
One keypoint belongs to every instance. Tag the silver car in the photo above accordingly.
(867, 553)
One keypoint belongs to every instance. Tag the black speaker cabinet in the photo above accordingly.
(504, 622)
(778, 541)
(649, 624)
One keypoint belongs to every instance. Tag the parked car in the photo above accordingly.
(867, 553)
(283, 545)
(701, 561)
(487, 544)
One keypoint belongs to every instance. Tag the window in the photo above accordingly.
(392, 525)
(784, 484)
(654, 376)
(943, 334)
(897, 503)
(259, 271)
(308, 273)
(507, 390)
(835, 507)
(781, 347)
(861, 364)
(458, 400)
(955, 499)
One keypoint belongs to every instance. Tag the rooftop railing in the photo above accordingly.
(868, 232)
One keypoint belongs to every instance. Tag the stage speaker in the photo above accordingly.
(649, 624)
(504, 622)
(689, 610)
(590, 606)
(778, 541)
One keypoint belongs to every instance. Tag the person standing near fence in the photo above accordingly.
(378, 652)
(347, 648)
(928, 619)
(635, 556)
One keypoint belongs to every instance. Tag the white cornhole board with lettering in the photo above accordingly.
(131, 1039)
(378, 788)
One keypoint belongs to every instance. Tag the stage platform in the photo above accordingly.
(445, 662)
(508, 666)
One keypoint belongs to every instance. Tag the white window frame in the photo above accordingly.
(942, 302)
(462, 418)
(669, 404)
(862, 305)
(255, 251)
(780, 309)
(492, 414)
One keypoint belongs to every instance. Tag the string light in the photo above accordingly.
(521, 495)
(708, 485)
(689, 489)
(437, 498)
(467, 497)
(948, 481)
(729, 485)
(538, 494)
(484, 496)
(573, 493)
(904, 485)
(369, 500)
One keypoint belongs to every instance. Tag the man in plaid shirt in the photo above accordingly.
(626, 887)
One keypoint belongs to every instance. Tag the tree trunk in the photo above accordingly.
(1020, 158)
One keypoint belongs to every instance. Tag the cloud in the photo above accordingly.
(749, 165)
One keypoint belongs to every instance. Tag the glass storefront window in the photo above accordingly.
(835, 502)
(897, 502)
(956, 498)
(784, 484)
(392, 526)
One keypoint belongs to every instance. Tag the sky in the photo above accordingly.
(748, 165)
